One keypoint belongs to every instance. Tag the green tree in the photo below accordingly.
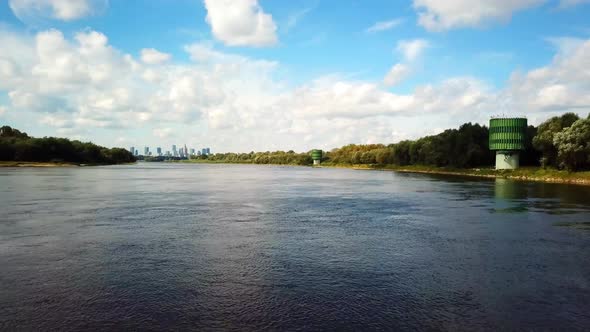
(530, 156)
(573, 146)
(543, 142)
(18, 146)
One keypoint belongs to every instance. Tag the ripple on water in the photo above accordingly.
(191, 247)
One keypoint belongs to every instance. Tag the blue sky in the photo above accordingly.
(247, 75)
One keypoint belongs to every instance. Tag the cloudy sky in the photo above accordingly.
(242, 75)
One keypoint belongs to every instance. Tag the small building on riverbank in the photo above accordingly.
(316, 156)
(507, 138)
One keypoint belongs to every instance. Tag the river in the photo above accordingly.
(243, 247)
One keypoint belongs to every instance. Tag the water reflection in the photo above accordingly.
(510, 196)
(517, 196)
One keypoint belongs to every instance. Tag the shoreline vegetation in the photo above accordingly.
(17, 149)
(536, 174)
(558, 150)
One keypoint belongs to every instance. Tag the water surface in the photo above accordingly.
(172, 246)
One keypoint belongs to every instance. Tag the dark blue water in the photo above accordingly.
(192, 247)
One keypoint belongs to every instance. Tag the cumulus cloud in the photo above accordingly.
(240, 103)
(384, 25)
(561, 85)
(412, 49)
(152, 56)
(66, 10)
(240, 23)
(396, 74)
(436, 15)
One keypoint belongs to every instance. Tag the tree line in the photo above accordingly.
(275, 158)
(561, 142)
(18, 146)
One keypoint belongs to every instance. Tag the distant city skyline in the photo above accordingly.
(184, 151)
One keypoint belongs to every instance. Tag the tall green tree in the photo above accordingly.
(573, 146)
(543, 141)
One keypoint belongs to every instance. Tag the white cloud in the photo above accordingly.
(396, 74)
(562, 85)
(152, 56)
(565, 45)
(163, 132)
(240, 23)
(66, 10)
(436, 15)
(295, 17)
(384, 25)
(61, 121)
(2, 110)
(237, 103)
(412, 49)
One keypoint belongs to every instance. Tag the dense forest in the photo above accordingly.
(561, 142)
(18, 146)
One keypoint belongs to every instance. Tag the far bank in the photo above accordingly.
(522, 174)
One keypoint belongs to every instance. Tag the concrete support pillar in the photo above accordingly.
(507, 159)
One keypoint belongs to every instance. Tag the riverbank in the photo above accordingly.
(49, 164)
(35, 164)
(521, 174)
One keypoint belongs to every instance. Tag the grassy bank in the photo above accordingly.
(35, 164)
(524, 173)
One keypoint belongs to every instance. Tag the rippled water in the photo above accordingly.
(161, 246)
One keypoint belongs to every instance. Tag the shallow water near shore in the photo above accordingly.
(245, 247)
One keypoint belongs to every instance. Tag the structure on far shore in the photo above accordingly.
(507, 138)
(316, 155)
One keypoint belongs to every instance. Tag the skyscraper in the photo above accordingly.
(208, 151)
(192, 152)
(132, 150)
(174, 152)
(159, 151)
(204, 151)
(146, 151)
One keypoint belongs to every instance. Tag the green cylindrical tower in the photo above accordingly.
(507, 138)
(316, 155)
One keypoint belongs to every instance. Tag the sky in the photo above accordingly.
(265, 75)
